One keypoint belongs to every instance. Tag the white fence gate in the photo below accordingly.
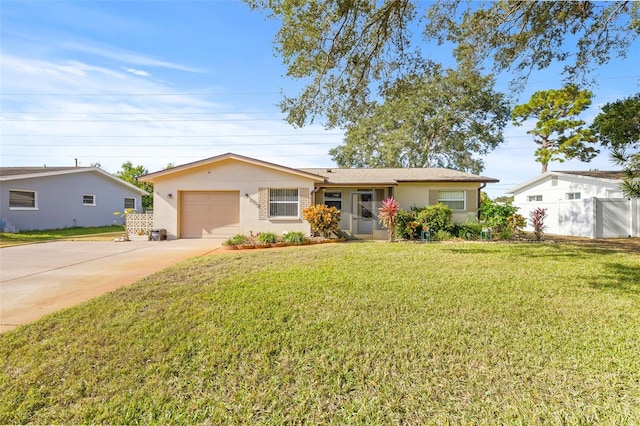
(589, 217)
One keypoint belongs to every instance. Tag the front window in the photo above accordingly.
(129, 203)
(283, 202)
(454, 199)
(88, 200)
(333, 199)
(19, 199)
(532, 198)
(573, 196)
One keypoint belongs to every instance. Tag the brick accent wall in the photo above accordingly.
(263, 201)
(303, 194)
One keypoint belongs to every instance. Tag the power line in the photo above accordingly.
(141, 94)
(177, 136)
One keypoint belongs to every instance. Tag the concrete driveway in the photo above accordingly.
(38, 279)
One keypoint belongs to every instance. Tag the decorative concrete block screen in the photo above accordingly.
(139, 223)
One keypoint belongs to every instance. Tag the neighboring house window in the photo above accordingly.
(531, 198)
(614, 193)
(283, 202)
(454, 199)
(333, 199)
(129, 203)
(573, 196)
(19, 199)
(88, 200)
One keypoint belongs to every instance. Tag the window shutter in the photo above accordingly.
(263, 201)
(471, 200)
(433, 196)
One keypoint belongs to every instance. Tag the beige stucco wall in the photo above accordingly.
(227, 175)
(420, 194)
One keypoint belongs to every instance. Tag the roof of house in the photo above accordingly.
(392, 176)
(610, 174)
(18, 173)
(340, 176)
(150, 177)
(593, 175)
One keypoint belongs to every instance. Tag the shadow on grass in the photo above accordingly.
(620, 277)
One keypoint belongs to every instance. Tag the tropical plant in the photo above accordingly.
(295, 238)
(537, 217)
(236, 240)
(267, 238)
(403, 218)
(323, 219)
(387, 215)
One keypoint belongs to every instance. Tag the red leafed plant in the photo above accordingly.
(537, 221)
(387, 215)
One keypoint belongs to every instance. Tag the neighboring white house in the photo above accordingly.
(230, 194)
(581, 203)
(61, 197)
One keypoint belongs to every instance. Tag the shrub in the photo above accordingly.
(236, 240)
(537, 221)
(267, 238)
(387, 215)
(501, 218)
(295, 238)
(323, 219)
(468, 230)
(403, 229)
(441, 235)
(436, 217)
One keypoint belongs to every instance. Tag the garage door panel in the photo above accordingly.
(210, 214)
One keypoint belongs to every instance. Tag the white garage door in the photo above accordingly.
(209, 214)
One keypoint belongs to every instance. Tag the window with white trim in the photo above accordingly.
(333, 199)
(129, 203)
(456, 200)
(531, 198)
(572, 196)
(20, 199)
(89, 200)
(614, 193)
(283, 202)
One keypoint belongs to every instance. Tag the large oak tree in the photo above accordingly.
(344, 50)
(435, 119)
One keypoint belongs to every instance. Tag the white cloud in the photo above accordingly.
(137, 72)
(122, 55)
(108, 116)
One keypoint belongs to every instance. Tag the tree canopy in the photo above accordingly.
(558, 131)
(442, 118)
(129, 173)
(344, 50)
(618, 127)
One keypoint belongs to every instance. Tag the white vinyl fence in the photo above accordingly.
(589, 217)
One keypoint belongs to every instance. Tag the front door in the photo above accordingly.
(362, 213)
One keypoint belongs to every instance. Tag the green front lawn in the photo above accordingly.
(27, 237)
(367, 333)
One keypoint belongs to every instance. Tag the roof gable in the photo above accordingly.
(589, 175)
(19, 173)
(228, 156)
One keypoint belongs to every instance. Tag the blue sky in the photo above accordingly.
(158, 82)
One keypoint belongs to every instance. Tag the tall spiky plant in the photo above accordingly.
(537, 217)
(387, 215)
